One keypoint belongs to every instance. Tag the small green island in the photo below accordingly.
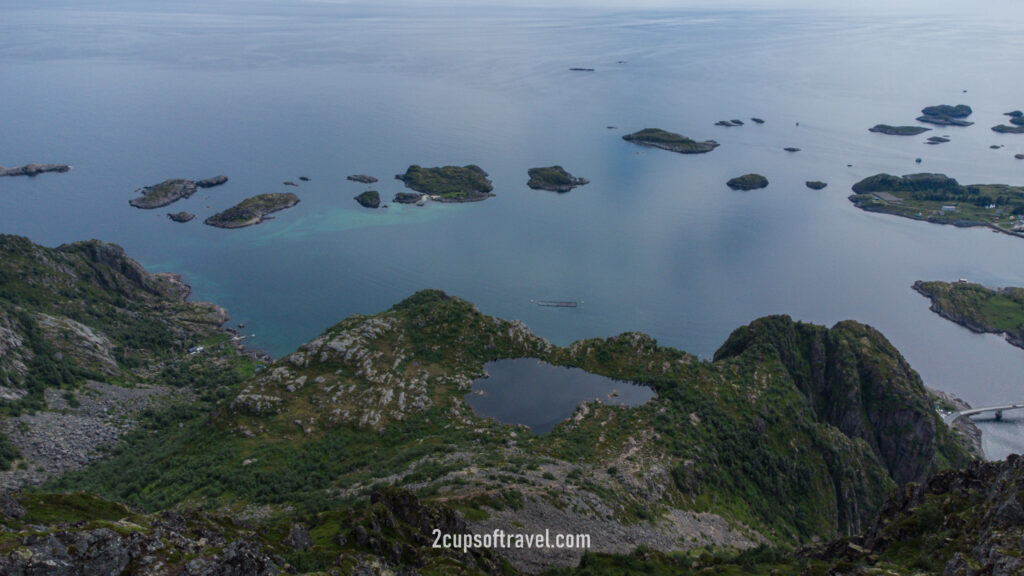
(670, 141)
(181, 217)
(940, 199)
(747, 182)
(252, 211)
(170, 191)
(946, 115)
(554, 179)
(369, 199)
(980, 309)
(448, 183)
(898, 130)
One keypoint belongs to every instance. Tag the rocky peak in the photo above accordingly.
(855, 380)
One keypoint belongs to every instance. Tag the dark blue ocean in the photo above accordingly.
(132, 93)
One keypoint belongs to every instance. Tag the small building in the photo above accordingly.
(949, 208)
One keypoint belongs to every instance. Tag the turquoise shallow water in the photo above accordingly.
(134, 93)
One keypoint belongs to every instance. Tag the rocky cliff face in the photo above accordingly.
(968, 521)
(855, 380)
(76, 318)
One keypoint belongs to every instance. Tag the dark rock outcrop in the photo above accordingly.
(299, 538)
(980, 509)
(33, 169)
(1004, 129)
(747, 182)
(815, 184)
(369, 199)
(212, 181)
(898, 130)
(407, 198)
(362, 178)
(181, 216)
(134, 549)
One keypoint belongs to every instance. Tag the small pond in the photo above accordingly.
(539, 395)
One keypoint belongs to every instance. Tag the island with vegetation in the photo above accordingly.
(747, 182)
(554, 179)
(449, 183)
(361, 178)
(670, 141)
(181, 216)
(815, 184)
(170, 191)
(369, 199)
(252, 210)
(946, 115)
(1016, 118)
(980, 309)
(752, 462)
(898, 130)
(408, 198)
(942, 200)
(33, 169)
(1004, 129)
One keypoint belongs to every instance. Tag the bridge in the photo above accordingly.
(954, 416)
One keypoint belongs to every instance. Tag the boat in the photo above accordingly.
(558, 303)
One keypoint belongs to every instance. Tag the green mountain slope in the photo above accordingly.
(741, 450)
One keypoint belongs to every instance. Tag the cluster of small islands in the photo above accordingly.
(930, 197)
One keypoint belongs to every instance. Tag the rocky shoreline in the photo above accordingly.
(670, 141)
(252, 211)
(170, 191)
(970, 318)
